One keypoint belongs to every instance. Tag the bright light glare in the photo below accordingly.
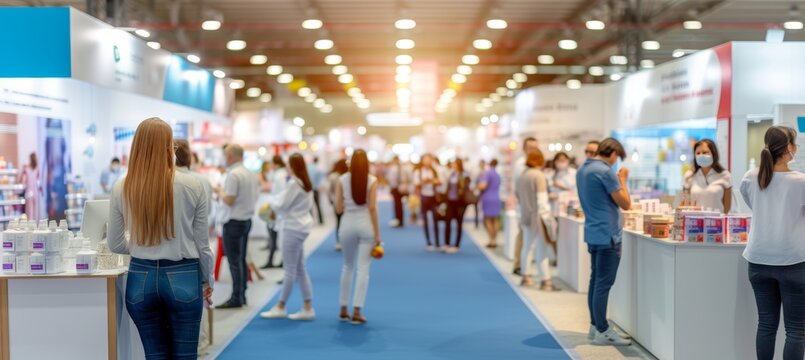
(692, 25)
(236, 45)
(274, 70)
(154, 45)
(340, 70)
(361, 130)
(654, 45)
(545, 59)
(595, 25)
(303, 92)
(332, 59)
(530, 69)
(211, 25)
(345, 78)
(324, 44)
(574, 84)
(253, 92)
(596, 71)
(265, 98)
(464, 69)
(458, 78)
(258, 59)
(470, 59)
(405, 24)
(568, 44)
(404, 59)
(143, 33)
(496, 24)
(482, 44)
(789, 25)
(299, 121)
(219, 74)
(312, 24)
(284, 78)
(405, 44)
(237, 84)
(193, 58)
(520, 77)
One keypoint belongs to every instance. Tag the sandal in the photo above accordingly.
(344, 317)
(548, 286)
(358, 320)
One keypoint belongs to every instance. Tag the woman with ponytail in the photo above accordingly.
(356, 200)
(776, 248)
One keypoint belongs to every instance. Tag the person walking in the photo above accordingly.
(356, 199)
(427, 182)
(294, 207)
(602, 193)
(111, 175)
(398, 183)
(240, 194)
(530, 144)
(532, 197)
(476, 208)
(458, 184)
(279, 182)
(30, 179)
(170, 275)
(776, 247)
(317, 178)
(489, 187)
(708, 185)
(339, 168)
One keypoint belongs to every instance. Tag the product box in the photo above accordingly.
(714, 229)
(633, 220)
(694, 228)
(647, 220)
(737, 228)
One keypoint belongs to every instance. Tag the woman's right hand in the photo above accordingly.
(378, 241)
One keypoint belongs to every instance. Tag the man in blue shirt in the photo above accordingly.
(111, 175)
(602, 194)
(316, 178)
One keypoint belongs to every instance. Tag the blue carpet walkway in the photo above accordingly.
(420, 306)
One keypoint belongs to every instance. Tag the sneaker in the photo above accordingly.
(592, 332)
(610, 338)
(431, 248)
(394, 223)
(275, 313)
(303, 315)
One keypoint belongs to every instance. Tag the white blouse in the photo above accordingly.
(708, 191)
(293, 207)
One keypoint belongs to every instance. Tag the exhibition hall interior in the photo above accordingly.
(402, 179)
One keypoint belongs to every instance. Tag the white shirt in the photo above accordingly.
(565, 178)
(422, 174)
(279, 180)
(293, 207)
(708, 191)
(190, 209)
(349, 202)
(243, 185)
(777, 234)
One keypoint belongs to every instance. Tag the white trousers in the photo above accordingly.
(293, 258)
(533, 240)
(357, 240)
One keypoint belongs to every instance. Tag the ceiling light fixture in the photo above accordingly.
(327, 109)
(323, 44)
(496, 24)
(545, 59)
(312, 24)
(319, 103)
(595, 25)
(464, 69)
(405, 44)
(520, 77)
(789, 25)
(511, 84)
(237, 84)
(404, 69)
(193, 58)
(692, 25)
(345, 78)
(618, 60)
(211, 25)
(403, 93)
(678, 53)
(404, 59)
(405, 24)
(340, 70)
(219, 74)
(253, 92)
(332, 59)
(495, 97)
(298, 121)
(402, 78)
(647, 64)
(482, 44)
(143, 33)
(530, 69)
(502, 91)
(354, 91)
(652, 44)
(311, 98)
(596, 71)
(458, 78)
(470, 59)
(574, 84)
(265, 98)
(615, 77)
(284, 78)
(236, 45)
(154, 45)
(568, 44)
(274, 70)
(258, 59)
(304, 92)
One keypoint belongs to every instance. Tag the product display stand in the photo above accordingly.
(10, 200)
(76, 197)
(574, 260)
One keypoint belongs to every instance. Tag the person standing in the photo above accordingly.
(530, 144)
(776, 247)
(532, 197)
(591, 149)
(458, 184)
(398, 182)
(489, 187)
(279, 182)
(294, 208)
(170, 275)
(110, 176)
(317, 178)
(356, 199)
(240, 195)
(339, 168)
(709, 185)
(427, 182)
(476, 208)
(29, 177)
(602, 193)
(564, 177)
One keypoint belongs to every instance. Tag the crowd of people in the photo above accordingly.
(168, 211)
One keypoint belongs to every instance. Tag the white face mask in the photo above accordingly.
(704, 160)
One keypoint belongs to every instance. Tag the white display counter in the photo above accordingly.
(686, 300)
(65, 317)
(573, 259)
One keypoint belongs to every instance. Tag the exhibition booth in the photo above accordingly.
(682, 289)
(73, 92)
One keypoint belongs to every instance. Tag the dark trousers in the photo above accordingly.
(429, 205)
(455, 211)
(605, 260)
(398, 206)
(273, 244)
(164, 299)
(338, 227)
(236, 236)
(318, 206)
(777, 286)
(477, 214)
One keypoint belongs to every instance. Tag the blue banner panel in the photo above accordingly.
(189, 85)
(35, 42)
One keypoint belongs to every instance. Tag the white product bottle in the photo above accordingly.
(64, 233)
(54, 263)
(38, 264)
(9, 263)
(86, 260)
(10, 237)
(23, 260)
(40, 237)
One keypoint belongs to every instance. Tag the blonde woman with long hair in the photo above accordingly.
(165, 213)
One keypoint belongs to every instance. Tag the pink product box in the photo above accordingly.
(738, 227)
(714, 229)
(694, 228)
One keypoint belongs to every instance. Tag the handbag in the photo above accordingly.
(468, 196)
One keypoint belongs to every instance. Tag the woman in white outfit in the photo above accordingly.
(532, 195)
(356, 199)
(294, 223)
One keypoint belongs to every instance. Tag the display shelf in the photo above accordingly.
(12, 202)
(12, 187)
(8, 172)
(8, 218)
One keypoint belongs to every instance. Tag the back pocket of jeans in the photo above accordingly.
(135, 286)
(185, 285)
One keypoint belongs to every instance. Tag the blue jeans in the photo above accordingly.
(164, 300)
(777, 286)
(605, 260)
(236, 236)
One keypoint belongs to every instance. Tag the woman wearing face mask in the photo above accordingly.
(564, 178)
(708, 185)
(776, 248)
